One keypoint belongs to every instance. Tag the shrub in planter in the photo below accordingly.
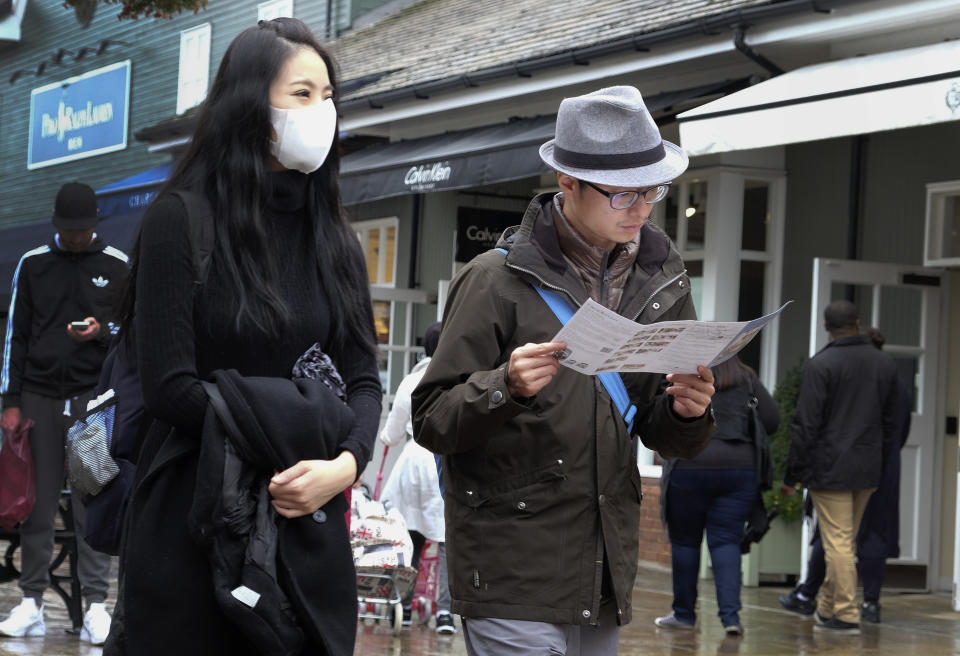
(785, 394)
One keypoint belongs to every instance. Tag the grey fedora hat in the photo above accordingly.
(608, 137)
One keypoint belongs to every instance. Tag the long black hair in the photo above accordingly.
(731, 373)
(228, 160)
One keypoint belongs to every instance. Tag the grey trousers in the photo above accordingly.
(47, 439)
(498, 637)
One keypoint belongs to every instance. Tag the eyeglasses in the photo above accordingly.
(621, 200)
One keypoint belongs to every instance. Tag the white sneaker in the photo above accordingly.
(96, 624)
(24, 620)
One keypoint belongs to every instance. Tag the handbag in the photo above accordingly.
(89, 463)
(18, 485)
(763, 460)
(758, 522)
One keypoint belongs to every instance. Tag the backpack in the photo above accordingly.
(129, 423)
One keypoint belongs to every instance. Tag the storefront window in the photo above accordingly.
(378, 239)
(381, 324)
(669, 218)
(695, 214)
(695, 273)
(942, 247)
(756, 215)
(752, 283)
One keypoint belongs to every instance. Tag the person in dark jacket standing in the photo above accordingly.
(879, 534)
(58, 329)
(715, 491)
(845, 421)
(286, 277)
(542, 490)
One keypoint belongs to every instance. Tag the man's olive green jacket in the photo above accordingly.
(540, 492)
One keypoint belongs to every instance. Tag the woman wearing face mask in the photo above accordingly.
(285, 273)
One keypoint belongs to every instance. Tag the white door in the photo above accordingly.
(903, 302)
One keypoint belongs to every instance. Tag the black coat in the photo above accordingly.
(846, 417)
(879, 535)
(281, 422)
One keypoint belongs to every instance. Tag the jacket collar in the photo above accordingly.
(534, 252)
(95, 246)
(853, 340)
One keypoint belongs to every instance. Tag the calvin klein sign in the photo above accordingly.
(426, 176)
(478, 230)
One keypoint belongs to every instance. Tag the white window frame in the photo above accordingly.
(933, 246)
(274, 9)
(194, 76)
(363, 230)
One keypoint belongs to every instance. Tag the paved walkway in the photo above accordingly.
(914, 625)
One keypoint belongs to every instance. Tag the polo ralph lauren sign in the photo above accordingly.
(79, 117)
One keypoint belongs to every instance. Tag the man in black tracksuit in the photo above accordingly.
(58, 330)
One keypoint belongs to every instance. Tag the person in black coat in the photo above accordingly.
(845, 422)
(715, 492)
(286, 274)
(879, 535)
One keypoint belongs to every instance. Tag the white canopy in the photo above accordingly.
(898, 89)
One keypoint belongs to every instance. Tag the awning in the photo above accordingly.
(470, 158)
(452, 160)
(888, 91)
(133, 194)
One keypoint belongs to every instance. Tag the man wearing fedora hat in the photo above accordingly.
(542, 490)
(56, 340)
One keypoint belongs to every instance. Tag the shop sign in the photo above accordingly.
(427, 177)
(479, 230)
(79, 117)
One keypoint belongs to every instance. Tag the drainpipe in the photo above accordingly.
(752, 54)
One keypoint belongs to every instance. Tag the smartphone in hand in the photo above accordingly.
(79, 325)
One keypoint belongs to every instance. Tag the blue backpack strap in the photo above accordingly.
(611, 380)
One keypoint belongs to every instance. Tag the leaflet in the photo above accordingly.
(600, 340)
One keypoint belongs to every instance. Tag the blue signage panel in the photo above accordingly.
(79, 117)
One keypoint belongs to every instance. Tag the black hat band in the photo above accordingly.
(611, 162)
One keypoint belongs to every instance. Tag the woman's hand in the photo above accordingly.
(309, 484)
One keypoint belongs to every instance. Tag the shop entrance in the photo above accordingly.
(903, 302)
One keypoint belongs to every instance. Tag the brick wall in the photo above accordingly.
(654, 545)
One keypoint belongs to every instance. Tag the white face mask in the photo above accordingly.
(304, 135)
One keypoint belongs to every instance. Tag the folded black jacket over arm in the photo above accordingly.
(275, 578)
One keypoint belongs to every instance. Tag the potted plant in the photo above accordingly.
(780, 550)
(785, 394)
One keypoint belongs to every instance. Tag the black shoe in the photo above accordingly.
(820, 619)
(794, 603)
(870, 613)
(445, 623)
(837, 626)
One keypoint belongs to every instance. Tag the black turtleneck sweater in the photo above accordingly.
(177, 347)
